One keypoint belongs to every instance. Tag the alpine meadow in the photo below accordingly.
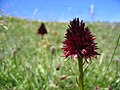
(30, 61)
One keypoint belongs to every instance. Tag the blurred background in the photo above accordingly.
(62, 11)
(30, 60)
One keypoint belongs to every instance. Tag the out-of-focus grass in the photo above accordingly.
(27, 61)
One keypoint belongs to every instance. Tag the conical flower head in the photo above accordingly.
(42, 30)
(79, 41)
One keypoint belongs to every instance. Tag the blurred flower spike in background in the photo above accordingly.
(42, 30)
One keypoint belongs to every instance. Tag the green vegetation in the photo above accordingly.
(29, 61)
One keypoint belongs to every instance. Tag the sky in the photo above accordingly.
(63, 10)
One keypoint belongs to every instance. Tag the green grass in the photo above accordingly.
(28, 63)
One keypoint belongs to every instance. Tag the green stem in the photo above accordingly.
(81, 74)
(114, 51)
(112, 57)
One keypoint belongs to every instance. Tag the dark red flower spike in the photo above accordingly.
(42, 30)
(79, 41)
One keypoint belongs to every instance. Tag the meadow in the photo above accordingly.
(31, 62)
